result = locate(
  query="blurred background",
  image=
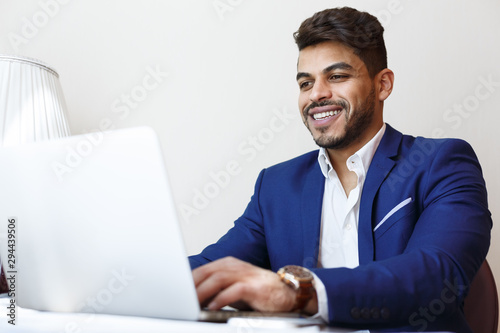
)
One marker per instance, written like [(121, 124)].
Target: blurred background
[(216, 80)]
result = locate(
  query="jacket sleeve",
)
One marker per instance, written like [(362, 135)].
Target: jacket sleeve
[(245, 240), (429, 280)]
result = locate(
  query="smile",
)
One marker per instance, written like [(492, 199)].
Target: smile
[(324, 115)]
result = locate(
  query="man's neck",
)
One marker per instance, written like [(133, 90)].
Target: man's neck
[(338, 159), (347, 178)]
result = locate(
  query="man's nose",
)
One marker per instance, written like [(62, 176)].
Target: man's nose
[(320, 91)]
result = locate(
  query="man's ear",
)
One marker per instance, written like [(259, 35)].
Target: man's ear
[(385, 79)]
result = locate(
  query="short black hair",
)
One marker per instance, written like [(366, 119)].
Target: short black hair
[(360, 31)]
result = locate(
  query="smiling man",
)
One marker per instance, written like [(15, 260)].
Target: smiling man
[(376, 229)]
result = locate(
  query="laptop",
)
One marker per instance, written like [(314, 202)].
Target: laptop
[(95, 228)]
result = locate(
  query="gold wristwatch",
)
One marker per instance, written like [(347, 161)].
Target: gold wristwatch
[(299, 279)]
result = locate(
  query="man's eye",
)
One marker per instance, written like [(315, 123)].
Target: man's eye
[(304, 84), (337, 77)]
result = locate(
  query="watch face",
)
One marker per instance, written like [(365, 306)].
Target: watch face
[(298, 272)]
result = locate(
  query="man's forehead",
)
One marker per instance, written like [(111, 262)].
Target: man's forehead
[(320, 56)]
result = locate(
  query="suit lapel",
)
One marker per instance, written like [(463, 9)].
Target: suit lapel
[(379, 168), (312, 202)]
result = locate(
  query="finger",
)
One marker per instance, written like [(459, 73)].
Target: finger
[(212, 285), (200, 274), (204, 272), (267, 293), (232, 294)]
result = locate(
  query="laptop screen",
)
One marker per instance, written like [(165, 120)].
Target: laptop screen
[(96, 226)]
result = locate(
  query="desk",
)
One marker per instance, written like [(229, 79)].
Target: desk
[(31, 321)]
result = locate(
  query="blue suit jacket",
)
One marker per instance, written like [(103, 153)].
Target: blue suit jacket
[(415, 268)]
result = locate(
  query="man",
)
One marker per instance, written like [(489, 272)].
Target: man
[(392, 227)]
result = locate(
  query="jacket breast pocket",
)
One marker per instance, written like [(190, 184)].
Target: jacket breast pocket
[(401, 217)]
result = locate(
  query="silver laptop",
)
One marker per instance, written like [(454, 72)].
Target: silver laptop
[(95, 227), (88, 224)]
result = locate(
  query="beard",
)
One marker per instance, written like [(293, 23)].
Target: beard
[(356, 122)]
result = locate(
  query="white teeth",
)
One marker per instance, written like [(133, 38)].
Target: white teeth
[(323, 115)]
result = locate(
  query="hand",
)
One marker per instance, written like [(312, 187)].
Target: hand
[(231, 281)]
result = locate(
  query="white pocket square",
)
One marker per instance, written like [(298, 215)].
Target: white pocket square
[(394, 210)]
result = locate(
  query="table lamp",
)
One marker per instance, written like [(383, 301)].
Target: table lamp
[(32, 107)]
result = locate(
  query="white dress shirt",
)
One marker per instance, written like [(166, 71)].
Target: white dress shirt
[(340, 214)]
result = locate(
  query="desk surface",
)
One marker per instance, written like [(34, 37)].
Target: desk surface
[(32, 321), (39, 321)]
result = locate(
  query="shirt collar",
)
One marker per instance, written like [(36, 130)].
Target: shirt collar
[(366, 153)]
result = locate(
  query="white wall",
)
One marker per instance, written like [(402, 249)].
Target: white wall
[(226, 69)]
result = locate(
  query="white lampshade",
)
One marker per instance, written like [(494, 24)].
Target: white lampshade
[(32, 106)]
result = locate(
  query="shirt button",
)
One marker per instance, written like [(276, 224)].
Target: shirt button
[(348, 227)]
